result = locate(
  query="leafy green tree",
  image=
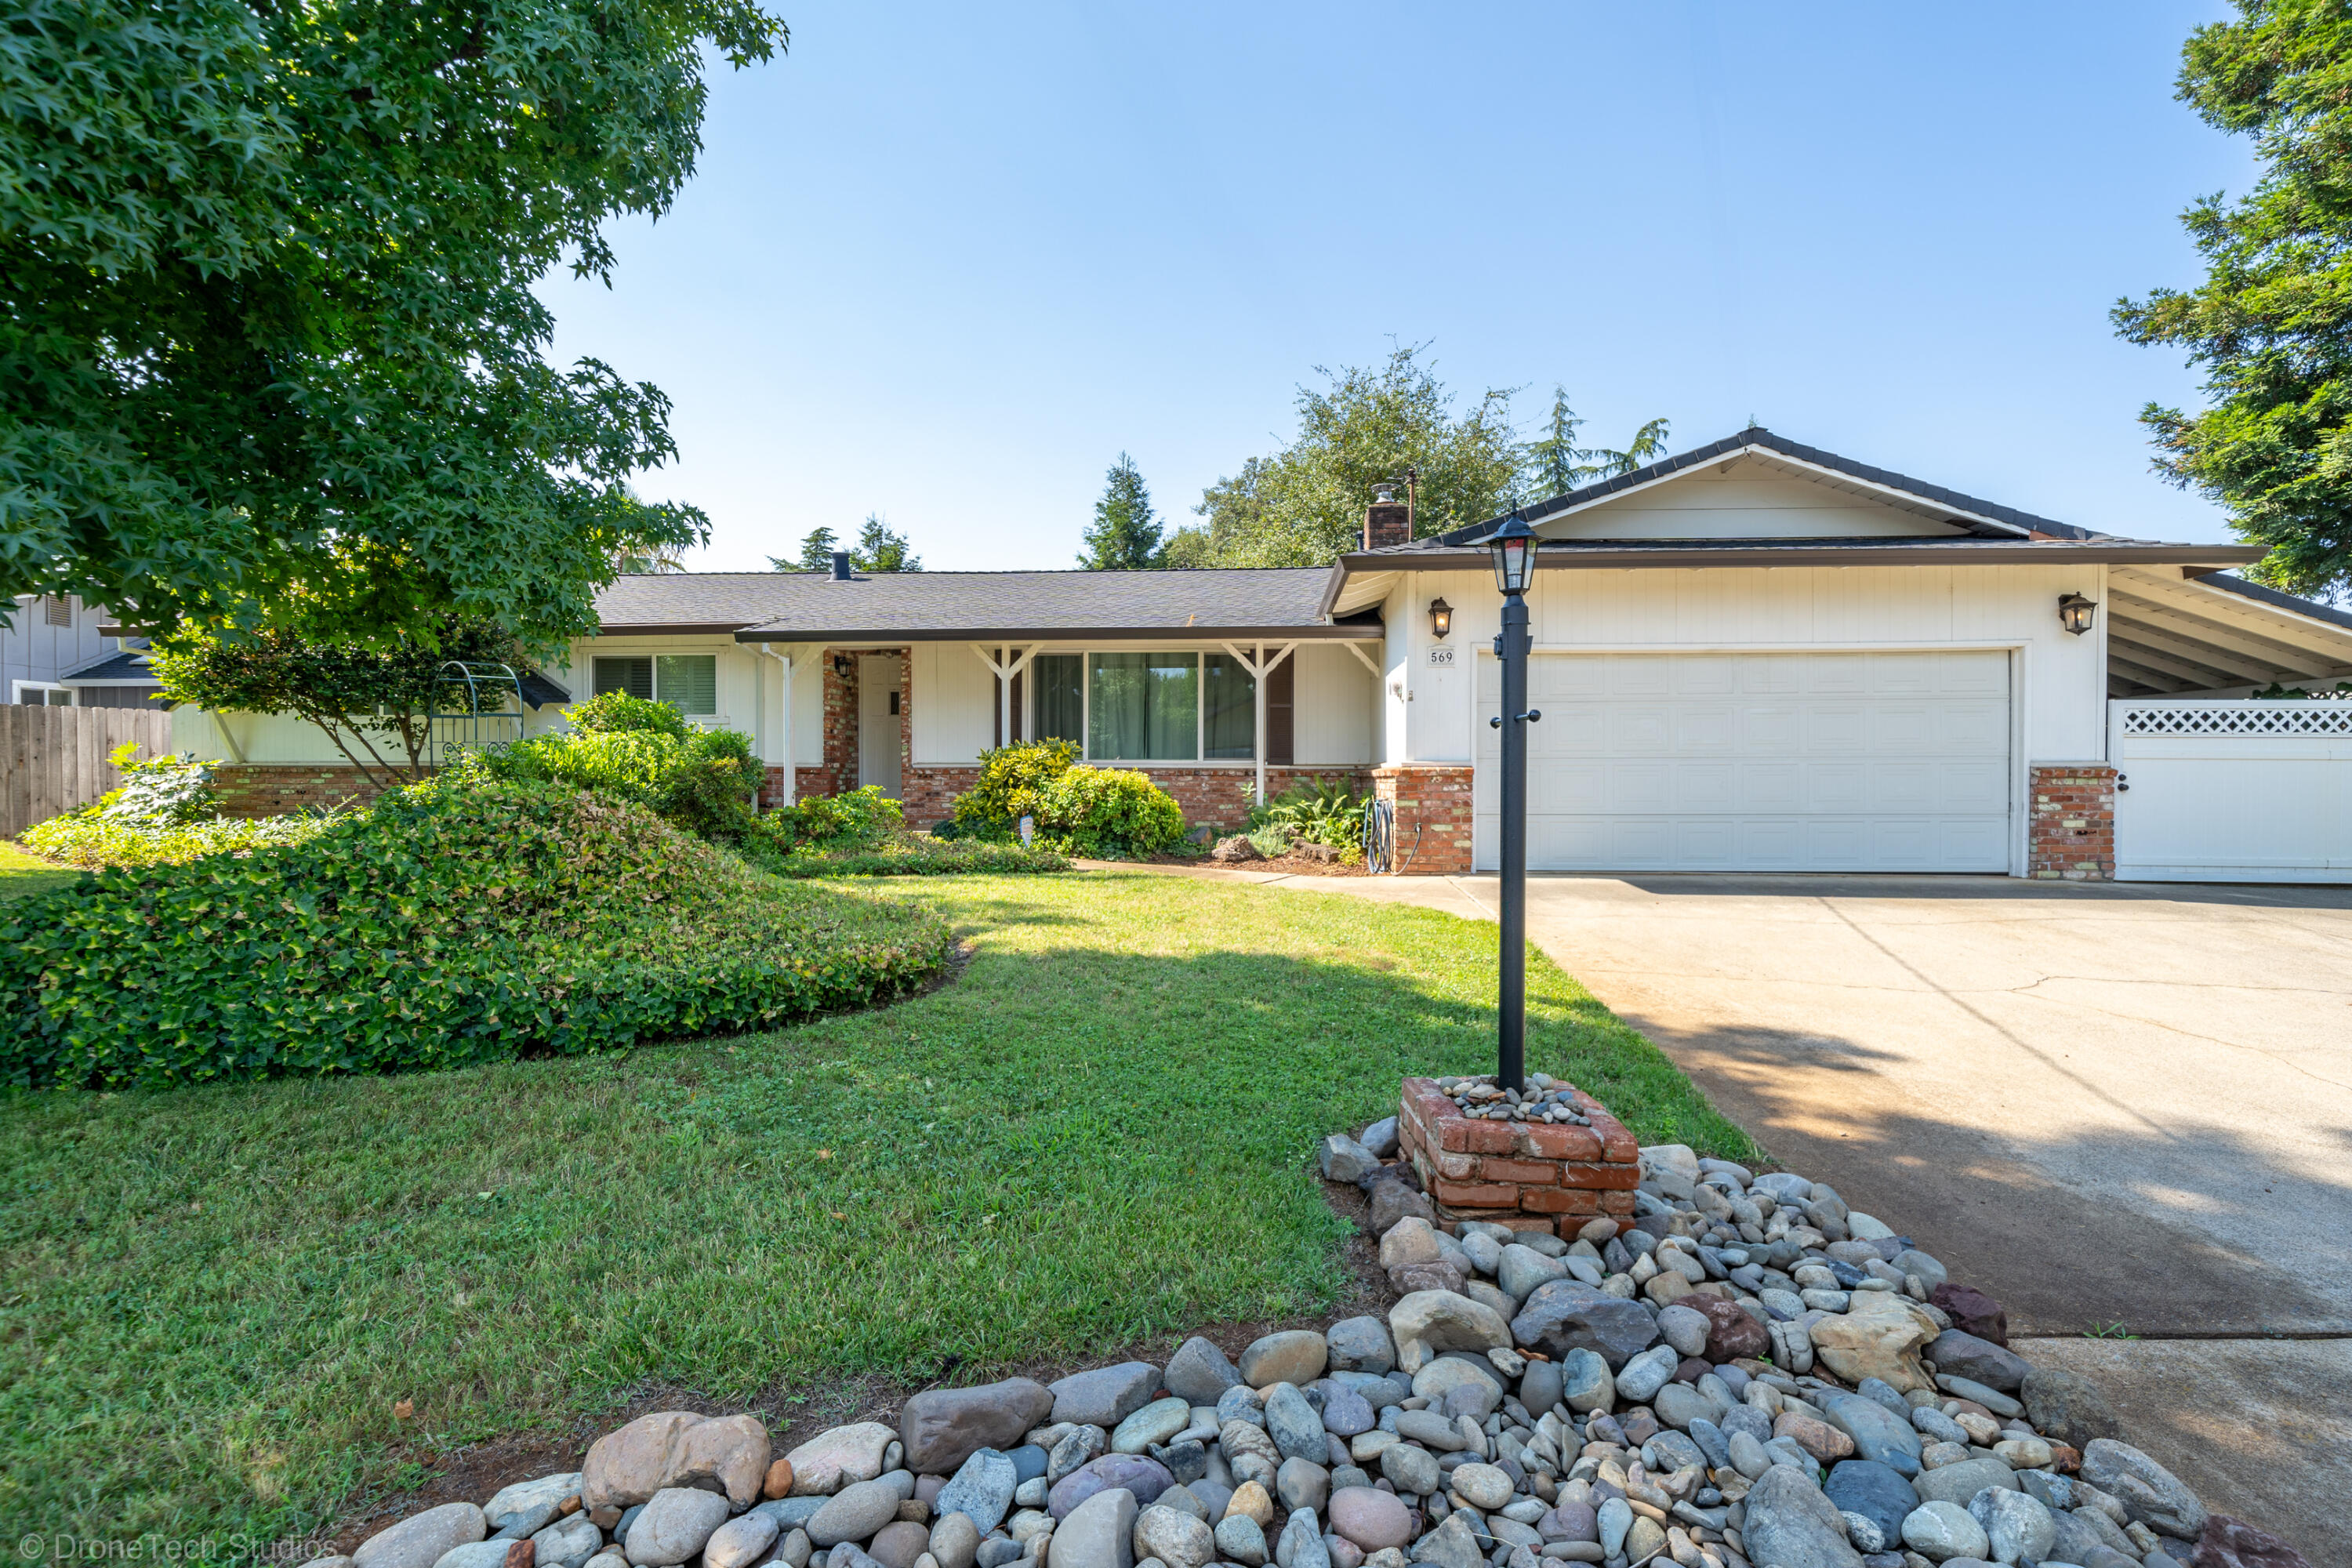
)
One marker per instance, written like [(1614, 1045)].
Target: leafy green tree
[(373, 701), (1304, 506), (880, 549), (1125, 534), (2272, 323), (816, 553), (266, 309)]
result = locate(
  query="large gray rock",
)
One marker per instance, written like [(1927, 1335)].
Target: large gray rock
[(1097, 1534), (1427, 1321), (1381, 1137), (1790, 1524), (738, 1543), (853, 1513), (1358, 1345), (2149, 1493), (676, 1523), (1448, 1373), (942, 1428), (1645, 1374), (1567, 1315), (1293, 1355), (1940, 1530), (1295, 1427), (1199, 1372), (1979, 1361), (1178, 1539), (1301, 1542), (1876, 1491), (1452, 1544), (836, 1457), (1586, 1384), (566, 1544), (2017, 1529), (2067, 1407), (981, 1489), (1153, 1424), (1410, 1469), (1141, 1478), (1392, 1202), (1877, 1432), (527, 1507), (421, 1540), (1342, 1159), (1107, 1395), (1956, 1483)]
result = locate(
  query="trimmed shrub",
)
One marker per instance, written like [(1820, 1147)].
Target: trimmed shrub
[(161, 815), (1011, 785), (464, 920), (704, 781), (832, 824), (1109, 813), (1079, 810), (914, 855)]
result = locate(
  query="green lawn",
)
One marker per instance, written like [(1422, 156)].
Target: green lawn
[(211, 1299), (21, 875)]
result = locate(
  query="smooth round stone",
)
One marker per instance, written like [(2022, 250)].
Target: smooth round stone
[(1155, 1423), (1361, 1345), (1372, 1519), (1240, 1539), (677, 1520), (1345, 1412), (1684, 1328), (1296, 1356), (1937, 1530), (1482, 1485), (954, 1542), (1874, 1490), (896, 1544), (1411, 1470), (1570, 1522), (1302, 1483)]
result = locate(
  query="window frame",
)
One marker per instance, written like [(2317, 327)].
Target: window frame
[(1199, 759), (16, 690), (653, 662)]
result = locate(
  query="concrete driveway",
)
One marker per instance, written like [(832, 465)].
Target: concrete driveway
[(2125, 1107)]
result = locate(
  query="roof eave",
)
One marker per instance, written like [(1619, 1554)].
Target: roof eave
[(1360, 632), (1554, 556)]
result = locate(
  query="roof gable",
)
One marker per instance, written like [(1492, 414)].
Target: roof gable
[(1753, 494)]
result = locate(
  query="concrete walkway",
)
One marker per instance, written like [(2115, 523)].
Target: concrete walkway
[(2122, 1107)]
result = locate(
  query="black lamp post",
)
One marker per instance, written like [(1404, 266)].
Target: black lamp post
[(1513, 546)]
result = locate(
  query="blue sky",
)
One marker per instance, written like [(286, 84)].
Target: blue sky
[(946, 262)]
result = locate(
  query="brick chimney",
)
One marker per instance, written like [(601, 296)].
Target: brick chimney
[(1387, 520)]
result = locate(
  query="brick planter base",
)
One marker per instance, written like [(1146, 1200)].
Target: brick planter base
[(1432, 807), (1526, 1174)]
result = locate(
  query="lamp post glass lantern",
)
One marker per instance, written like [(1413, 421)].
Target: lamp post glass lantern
[(1512, 548)]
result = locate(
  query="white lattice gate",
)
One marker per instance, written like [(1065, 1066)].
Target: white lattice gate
[(2233, 791)]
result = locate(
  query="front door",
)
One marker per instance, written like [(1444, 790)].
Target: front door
[(877, 722)]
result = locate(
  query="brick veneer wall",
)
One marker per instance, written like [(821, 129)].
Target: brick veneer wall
[(2070, 836), (838, 775), (273, 789), (1526, 1174), (927, 795), (1432, 807)]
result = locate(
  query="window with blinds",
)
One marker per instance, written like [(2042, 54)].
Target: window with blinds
[(687, 681)]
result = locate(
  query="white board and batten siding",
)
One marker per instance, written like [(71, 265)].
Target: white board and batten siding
[(2233, 791)]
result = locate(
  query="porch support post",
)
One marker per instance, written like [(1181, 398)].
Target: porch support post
[(1004, 667), (1258, 668)]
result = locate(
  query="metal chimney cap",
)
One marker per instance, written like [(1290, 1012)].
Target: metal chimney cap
[(840, 565)]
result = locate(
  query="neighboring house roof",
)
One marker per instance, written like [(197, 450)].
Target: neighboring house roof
[(127, 667), (978, 607), (1985, 532)]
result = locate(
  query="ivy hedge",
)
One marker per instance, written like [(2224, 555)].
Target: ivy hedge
[(461, 921)]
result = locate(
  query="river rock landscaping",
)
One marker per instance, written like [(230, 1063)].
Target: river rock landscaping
[(1743, 1372)]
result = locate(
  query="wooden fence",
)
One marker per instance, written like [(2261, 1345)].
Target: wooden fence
[(54, 759)]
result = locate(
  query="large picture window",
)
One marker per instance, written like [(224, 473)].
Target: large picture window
[(1144, 707), (1229, 709), (1061, 701), (687, 681)]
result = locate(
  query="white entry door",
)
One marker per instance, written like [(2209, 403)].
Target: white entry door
[(2233, 791), (1758, 762), (877, 722)]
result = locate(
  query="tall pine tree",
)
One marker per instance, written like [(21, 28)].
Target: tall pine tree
[(816, 553), (1125, 535), (2272, 323)]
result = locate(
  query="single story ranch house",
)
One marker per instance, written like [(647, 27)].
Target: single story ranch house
[(1752, 657)]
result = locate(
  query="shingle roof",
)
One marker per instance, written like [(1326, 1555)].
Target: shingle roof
[(809, 606), (126, 667)]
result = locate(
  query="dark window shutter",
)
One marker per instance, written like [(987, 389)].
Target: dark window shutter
[(1279, 684)]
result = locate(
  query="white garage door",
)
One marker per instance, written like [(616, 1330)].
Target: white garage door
[(1758, 761), (2233, 791)]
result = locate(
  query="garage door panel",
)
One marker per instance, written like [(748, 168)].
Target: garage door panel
[(1760, 762)]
